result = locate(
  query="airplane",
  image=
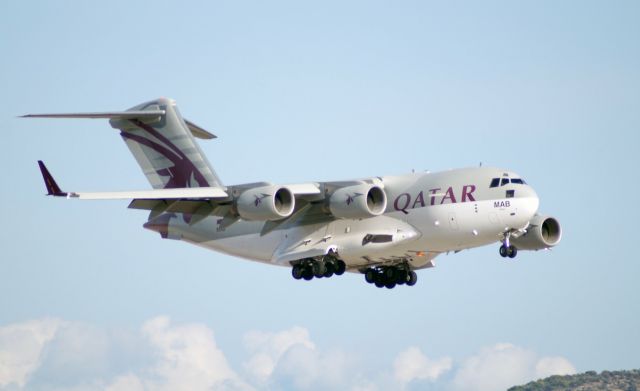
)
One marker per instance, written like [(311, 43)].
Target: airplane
[(384, 227)]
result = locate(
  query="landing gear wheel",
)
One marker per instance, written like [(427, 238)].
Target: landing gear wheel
[(296, 272), (389, 274), (307, 273), (390, 284), (370, 276), (401, 276), (412, 279), (319, 269), (512, 252), (329, 269), (379, 280), (504, 251), (341, 267)]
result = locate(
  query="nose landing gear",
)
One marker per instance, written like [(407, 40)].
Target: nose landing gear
[(507, 249)]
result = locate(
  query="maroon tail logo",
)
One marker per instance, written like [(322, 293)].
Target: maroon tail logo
[(183, 170)]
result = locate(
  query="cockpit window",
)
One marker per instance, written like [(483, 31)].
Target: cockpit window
[(495, 182)]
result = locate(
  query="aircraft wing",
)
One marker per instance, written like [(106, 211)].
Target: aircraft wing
[(155, 194), (187, 193)]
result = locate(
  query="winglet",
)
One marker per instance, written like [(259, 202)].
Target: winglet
[(52, 187)]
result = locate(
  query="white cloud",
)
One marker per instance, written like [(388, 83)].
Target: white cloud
[(411, 364), (548, 366), (53, 354), (188, 359), (21, 348), (505, 365), (289, 360), (57, 355), (304, 368), (267, 348), (128, 382)]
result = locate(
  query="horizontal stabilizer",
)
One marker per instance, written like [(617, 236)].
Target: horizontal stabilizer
[(140, 114), (143, 115)]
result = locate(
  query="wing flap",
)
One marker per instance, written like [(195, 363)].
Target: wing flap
[(303, 189)]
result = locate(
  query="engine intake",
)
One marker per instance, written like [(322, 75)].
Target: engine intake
[(358, 201), (543, 232), (266, 203)]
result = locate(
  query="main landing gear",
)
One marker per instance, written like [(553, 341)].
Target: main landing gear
[(390, 276), (326, 267), (507, 249)]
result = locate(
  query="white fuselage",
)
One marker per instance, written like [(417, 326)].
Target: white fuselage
[(426, 214)]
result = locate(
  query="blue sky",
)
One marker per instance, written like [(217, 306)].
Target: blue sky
[(300, 91)]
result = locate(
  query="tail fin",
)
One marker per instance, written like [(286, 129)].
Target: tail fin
[(52, 187), (165, 147)]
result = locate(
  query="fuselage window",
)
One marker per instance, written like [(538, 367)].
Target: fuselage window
[(495, 182), (517, 181), (510, 193), (504, 181)]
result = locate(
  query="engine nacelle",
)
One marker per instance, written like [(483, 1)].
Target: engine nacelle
[(543, 232), (265, 203), (358, 201)]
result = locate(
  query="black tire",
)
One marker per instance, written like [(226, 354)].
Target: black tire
[(370, 276), (341, 267), (318, 269), (413, 278), (390, 274), (379, 279), (328, 273), (296, 272), (512, 252), (307, 273), (504, 251), (401, 276), (331, 266), (390, 284)]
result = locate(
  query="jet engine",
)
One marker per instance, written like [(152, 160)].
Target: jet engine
[(358, 201), (265, 203), (543, 232)]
